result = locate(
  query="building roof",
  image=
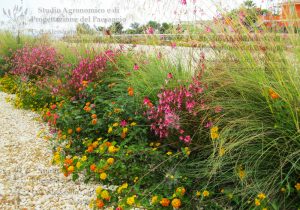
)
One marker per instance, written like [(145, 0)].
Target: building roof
[(290, 2)]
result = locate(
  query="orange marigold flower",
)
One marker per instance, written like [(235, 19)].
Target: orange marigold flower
[(181, 190), (176, 203), (93, 167), (99, 203), (68, 161), (165, 202), (123, 135), (273, 94), (130, 91), (108, 144), (78, 129), (94, 121), (90, 149), (94, 116), (70, 131), (70, 169)]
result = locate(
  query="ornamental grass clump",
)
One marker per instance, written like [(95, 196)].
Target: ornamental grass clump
[(34, 62)]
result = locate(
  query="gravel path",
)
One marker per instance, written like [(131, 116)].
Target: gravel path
[(27, 178)]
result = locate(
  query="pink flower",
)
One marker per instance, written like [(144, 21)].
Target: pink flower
[(136, 67), (218, 109), (170, 75), (208, 124), (123, 123), (207, 29), (146, 101), (187, 139), (183, 2), (150, 30), (173, 45)]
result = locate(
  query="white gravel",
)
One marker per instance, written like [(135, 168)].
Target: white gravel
[(27, 178)]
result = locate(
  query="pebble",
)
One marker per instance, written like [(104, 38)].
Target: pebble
[(27, 180)]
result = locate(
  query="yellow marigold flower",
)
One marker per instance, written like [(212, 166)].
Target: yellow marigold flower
[(154, 199), (297, 186), (110, 161), (117, 110), (158, 144), (214, 135), (105, 195), (68, 146), (99, 139), (151, 144), (125, 130), (169, 153), (241, 173), (125, 185), (99, 189), (198, 193), (205, 193), (131, 200), (70, 169), (103, 176), (214, 129), (116, 124), (261, 196), (95, 144), (222, 152), (112, 149), (133, 124), (257, 202), (165, 202), (109, 130), (176, 203), (187, 151), (136, 179), (78, 164)]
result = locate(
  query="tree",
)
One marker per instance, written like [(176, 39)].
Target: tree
[(165, 27), (153, 24), (84, 28), (136, 28), (116, 27), (249, 4)]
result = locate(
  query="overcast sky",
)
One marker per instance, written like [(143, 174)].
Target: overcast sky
[(129, 10)]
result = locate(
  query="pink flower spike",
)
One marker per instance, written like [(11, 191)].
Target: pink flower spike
[(209, 124), (150, 30), (136, 67), (173, 45), (183, 2), (123, 123), (218, 109), (170, 75), (146, 101), (207, 29), (187, 139)]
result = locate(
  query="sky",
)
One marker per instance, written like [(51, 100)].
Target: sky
[(128, 11)]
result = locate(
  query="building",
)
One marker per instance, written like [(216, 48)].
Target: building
[(286, 14)]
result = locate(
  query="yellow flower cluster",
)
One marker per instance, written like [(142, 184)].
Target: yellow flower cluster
[(214, 133), (122, 187)]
